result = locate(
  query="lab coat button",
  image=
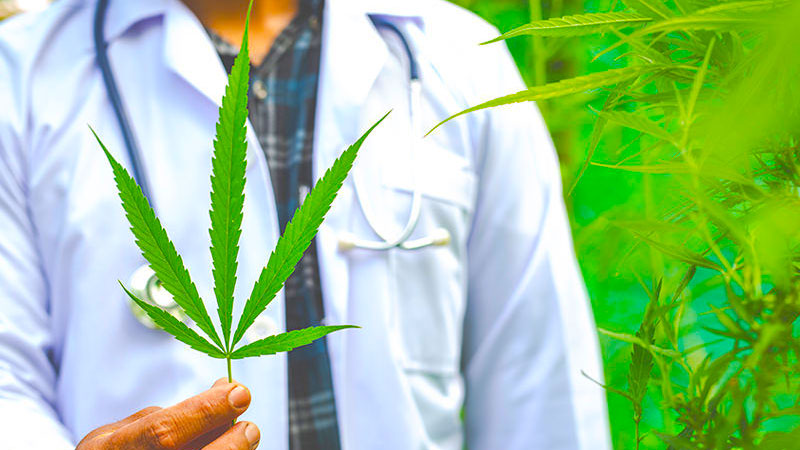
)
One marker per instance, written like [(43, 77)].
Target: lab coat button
[(259, 90)]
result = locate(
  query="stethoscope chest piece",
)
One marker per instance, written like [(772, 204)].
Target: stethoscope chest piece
[(146, 286)]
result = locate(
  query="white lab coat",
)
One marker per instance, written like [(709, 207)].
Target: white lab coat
[(497, 321)]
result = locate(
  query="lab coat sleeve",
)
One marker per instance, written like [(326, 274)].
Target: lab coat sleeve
[(529, 331), (28, 419)]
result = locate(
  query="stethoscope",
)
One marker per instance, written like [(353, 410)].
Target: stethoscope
[(440, 236), (143, 282)]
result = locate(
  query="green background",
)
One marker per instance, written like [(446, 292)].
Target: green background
[(611, 265)]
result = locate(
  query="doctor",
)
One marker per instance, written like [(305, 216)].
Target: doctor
[(489, 315)]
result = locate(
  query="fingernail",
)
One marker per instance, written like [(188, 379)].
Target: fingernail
[(239, 397), (252, 435)]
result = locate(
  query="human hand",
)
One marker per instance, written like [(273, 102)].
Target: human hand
[(200, 422)]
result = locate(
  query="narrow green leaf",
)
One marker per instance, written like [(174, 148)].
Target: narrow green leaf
[(157, 249), (746, 7), (731, 325), (297, 236), (227, 185), (611, 389), (562, 88), (713, 22), (285, 342), (652, 8), (639, 48), (176, 328), (577, 25), (674, 168), (687, 277), (680, 253), (631, 339), (638, 122), (697, 84), (597, 131), (730, 334)]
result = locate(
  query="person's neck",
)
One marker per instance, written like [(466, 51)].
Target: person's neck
[(226, 18)]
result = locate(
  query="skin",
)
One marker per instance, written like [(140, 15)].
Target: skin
[(204, 421), (226, 18), (200, 422)]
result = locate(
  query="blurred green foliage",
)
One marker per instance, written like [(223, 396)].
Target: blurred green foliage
[(682, 183)]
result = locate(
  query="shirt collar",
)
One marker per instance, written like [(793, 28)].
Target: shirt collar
[(124, 14)]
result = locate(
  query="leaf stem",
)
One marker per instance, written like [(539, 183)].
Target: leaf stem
[(230, 378)]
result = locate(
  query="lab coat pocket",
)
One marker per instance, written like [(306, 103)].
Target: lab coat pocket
[(429, 284)]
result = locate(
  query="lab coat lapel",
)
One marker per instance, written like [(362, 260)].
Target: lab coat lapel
[(123, 14), (187, 51), (353, 55), (199, 65)]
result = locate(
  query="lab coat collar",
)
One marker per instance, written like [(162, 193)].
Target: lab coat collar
[(354, 52), (187, 51), (357, 51), (124, 14)]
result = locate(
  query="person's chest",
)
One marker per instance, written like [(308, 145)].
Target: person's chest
[(410, 304)]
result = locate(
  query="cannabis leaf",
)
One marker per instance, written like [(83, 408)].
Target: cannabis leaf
[(227, 185), (713, 22), (285, 341), (227, 200), (577, 25), (564, 87)]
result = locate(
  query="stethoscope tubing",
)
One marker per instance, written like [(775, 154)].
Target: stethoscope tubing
[(441, 236), (101, 52)]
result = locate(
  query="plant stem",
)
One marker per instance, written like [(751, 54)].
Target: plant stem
[(230, 379)]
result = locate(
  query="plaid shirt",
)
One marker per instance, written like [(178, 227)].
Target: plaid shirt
[(283, 95)]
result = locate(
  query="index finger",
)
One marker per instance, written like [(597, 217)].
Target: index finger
[(174, 427)]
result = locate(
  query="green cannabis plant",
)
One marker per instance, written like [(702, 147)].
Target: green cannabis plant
[(227, 200), (699, 114)]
